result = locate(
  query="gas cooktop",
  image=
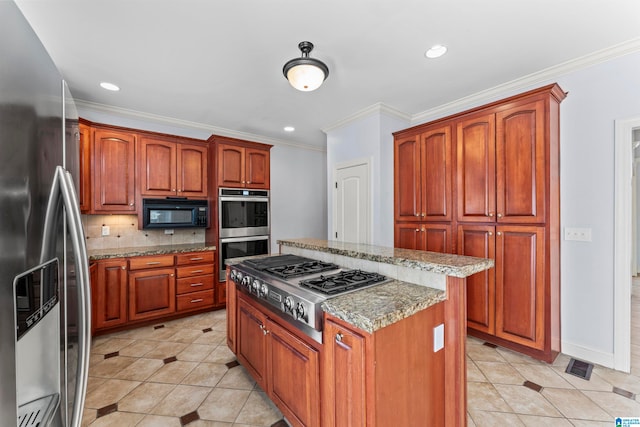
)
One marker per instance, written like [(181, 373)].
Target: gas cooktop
[(297, 286)]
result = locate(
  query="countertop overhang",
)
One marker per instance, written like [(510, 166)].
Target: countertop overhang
[(98, 254)]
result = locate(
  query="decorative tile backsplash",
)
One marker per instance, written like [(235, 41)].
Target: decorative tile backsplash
[(124, 233)]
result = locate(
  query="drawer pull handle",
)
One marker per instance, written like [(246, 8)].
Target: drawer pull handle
[(196, 271), (199, 258), (153, 262), (193, 301), (339, 337), (193, 285)]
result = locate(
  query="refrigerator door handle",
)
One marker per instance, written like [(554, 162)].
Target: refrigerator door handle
[(72, 208)]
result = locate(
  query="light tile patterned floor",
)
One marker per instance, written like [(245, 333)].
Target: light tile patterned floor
[(176, 375)]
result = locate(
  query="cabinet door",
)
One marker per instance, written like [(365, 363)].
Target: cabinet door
[(409, 236), (294, 378), (231, 166), (435, 164), (437, 237), (109, 294), (192, 170), (521, 163), (476, 169), (157, 167), (479, 241), (252, 342), (113, 172), (520, 296), (344, 376), (257, 166), (152, 293), (84, 192), (408, 186)]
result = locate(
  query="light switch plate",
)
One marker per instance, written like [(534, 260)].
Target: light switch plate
[(578, 234), (168, 231), (438, 338), (106, 230)]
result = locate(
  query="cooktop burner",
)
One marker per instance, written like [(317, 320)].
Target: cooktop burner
[(288, 266), (343, 281)]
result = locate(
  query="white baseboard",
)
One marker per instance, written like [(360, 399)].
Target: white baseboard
[(588, 355)]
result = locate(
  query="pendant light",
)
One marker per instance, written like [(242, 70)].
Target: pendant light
[(304, 73)]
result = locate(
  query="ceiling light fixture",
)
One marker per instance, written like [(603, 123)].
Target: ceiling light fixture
[(109, 86), (304, 73), (436, 51), (289, 128)]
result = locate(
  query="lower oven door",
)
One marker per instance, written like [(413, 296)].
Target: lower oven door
[(235, 247)]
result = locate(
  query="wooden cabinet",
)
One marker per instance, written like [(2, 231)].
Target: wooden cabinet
[(423, 175), (232, 313), (195, 280), (109, 293), (243, 164), (152, 293), (362, 383), (170, 168), (283, 364), (113, 171), (423, 236), (507, 207), (84, 192)]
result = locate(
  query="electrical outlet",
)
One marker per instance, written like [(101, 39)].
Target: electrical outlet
[(578, 234), (106, 230), (168, 231)]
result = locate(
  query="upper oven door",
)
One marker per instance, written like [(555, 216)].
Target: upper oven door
[(243, 216)]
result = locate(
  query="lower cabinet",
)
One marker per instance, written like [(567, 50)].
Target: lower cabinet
[(109, 294), (393, 377), (152, 293), (284, 365)]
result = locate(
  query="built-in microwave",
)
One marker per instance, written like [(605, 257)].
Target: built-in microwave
[(174, 212), (243, 212)]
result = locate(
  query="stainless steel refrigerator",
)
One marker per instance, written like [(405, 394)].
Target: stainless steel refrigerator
[(44, 277)]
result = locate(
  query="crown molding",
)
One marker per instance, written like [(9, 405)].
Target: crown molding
[(156, 118), (378, 108), (545, 75)]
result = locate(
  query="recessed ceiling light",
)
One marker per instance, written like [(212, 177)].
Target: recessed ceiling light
[(436, 51), (109, 86), (289, 128)]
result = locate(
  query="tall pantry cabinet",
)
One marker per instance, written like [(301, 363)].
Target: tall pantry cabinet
[(506, 206)]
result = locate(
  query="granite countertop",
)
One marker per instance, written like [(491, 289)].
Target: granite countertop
[(95, 255), (448, 264), (378, 306)]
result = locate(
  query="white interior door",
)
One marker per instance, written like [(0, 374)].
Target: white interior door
[(352, 204)]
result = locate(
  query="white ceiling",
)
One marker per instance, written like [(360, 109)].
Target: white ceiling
[(219, 63)]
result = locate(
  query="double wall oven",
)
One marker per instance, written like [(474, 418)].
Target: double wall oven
[(244, 224)]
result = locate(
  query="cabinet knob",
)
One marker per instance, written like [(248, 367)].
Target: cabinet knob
[(339, 337), (173, 189), (499, 215), (264, 330), (499, 233), (123, 267), (422, 214), (491, 233), (417, 229), (131, 204), (491, 214)]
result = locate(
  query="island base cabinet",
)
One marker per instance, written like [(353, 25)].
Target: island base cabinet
[(392, 377), (252, 341)]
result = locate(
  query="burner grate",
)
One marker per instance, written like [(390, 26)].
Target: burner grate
[(301, 269), (342, 282)]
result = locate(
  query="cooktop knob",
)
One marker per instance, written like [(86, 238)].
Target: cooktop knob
[(246, 282), (238, 276), (300, 311), (264, 290), (288, 304), (256, 286)]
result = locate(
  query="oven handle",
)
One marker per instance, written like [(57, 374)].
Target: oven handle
[(243, 199), (243, 239)]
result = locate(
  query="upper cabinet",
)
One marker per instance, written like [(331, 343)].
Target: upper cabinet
[(243, 164), (113, 171), (84, 192), (170, 168)]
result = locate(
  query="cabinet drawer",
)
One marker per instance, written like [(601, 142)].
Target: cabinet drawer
[(194, 284), (195, 300), (195, 258), (195, 270), (152, 261)]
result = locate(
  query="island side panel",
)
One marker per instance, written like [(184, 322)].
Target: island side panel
[(455, 318)]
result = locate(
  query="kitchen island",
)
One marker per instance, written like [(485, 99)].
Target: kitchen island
[(389, 354)]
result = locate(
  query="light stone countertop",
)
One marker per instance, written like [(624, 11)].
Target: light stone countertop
[(98, 254), (441, 263)]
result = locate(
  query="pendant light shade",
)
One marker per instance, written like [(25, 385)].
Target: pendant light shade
[(304, 73)]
